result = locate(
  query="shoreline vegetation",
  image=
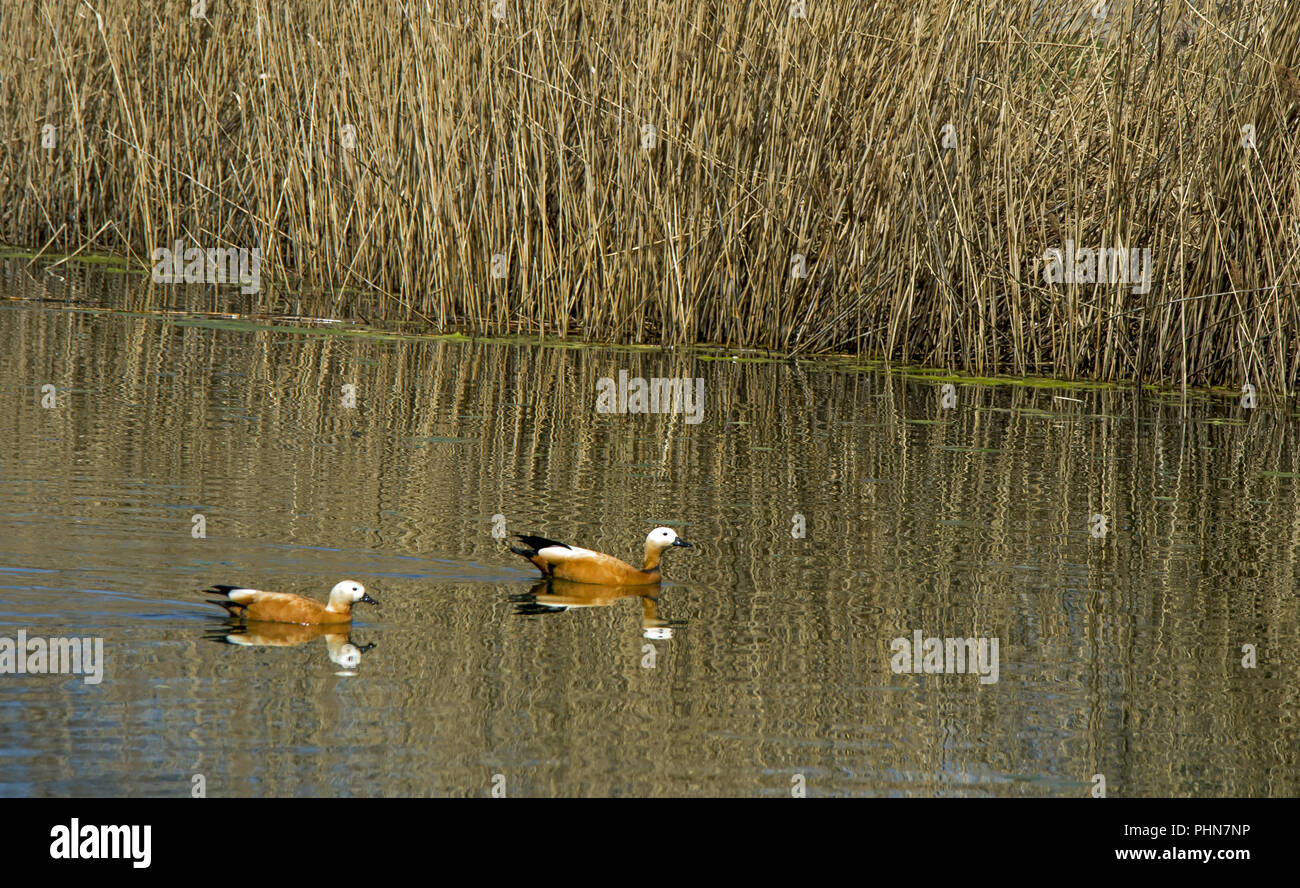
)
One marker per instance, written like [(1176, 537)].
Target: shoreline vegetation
[(312, 314), (894, 181)]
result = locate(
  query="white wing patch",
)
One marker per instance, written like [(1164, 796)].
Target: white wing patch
[(559, 554)]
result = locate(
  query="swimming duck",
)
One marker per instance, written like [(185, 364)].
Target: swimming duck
[(285, 607), (565, 562)]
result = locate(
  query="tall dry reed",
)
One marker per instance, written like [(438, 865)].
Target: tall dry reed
[(881, 178)]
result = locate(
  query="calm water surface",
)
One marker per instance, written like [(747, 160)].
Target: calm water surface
[(765, 655)]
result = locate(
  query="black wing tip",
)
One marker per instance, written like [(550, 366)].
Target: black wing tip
[(537, 543), (220, 589)]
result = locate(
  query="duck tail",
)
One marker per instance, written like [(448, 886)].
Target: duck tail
[(532, 545), (233, 608)]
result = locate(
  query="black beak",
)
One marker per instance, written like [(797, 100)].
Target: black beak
[(682, 543), (365, 596)]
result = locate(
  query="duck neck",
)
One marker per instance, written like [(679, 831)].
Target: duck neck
[(652, 556), (339, 606)]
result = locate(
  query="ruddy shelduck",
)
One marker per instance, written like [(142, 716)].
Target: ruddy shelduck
[(285, 607), (565, 562)]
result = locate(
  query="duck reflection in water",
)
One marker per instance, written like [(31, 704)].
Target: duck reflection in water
[(556, 596), (338, 644)]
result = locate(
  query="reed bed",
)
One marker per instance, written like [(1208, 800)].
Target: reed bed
[(877, 178)]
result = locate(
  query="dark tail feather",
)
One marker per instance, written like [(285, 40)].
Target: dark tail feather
[(534, 543), (233, 608)]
